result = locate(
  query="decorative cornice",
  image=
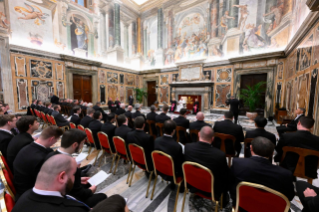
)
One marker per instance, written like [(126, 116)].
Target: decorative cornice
[(279, 54), (35, 52), (68, 58), (313, 5)]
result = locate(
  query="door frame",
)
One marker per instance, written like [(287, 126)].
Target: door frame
[(147, 92), (150, 79)]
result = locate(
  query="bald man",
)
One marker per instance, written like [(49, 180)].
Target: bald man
[(198, 124), (120, 110), (205, 154), (54, 181), (128, 114)]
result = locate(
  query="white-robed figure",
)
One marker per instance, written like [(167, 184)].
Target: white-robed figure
[(180, 105)]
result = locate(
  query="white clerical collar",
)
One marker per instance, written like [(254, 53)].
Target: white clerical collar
[(47, 193), (8, 131), (39, 144), (64, 153), (298, 116), (168, 135), (76, 114)]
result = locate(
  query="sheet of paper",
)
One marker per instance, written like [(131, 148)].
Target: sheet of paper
[(98, 178), (81, 157), (183, 147)]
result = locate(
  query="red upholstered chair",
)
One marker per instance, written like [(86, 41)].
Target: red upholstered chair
[(4, 165), (7, 182), (139, 159), (48, 118), (72, 125), (223, 138), (80, 127), (91, 141), (46, 122), (159, 127), (32, 112), (54, 123), (9, 202), (258, 198), (202, 178), (121, 152), (164, 164), (106, 147)]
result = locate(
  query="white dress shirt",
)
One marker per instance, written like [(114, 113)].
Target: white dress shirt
[(47, 193), (5, 130)]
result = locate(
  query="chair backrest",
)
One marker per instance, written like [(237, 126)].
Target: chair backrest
[(150, 124), (303, 153), (120, 147), (44, 117), (247, 141), (9, 201), (31, 110), (72, 125), (104, 141), (194, 135), (138, 156), (223, 137), (258, 198), (7, 182), (89, 135), (160, 128), (80, 127), (4, 165), (179, 130), (163, 163), (199, 177), (53, 121), (48, 118)]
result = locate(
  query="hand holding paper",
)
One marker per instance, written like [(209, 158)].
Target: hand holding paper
[(98, 178)]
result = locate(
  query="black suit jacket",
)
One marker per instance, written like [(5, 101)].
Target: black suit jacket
[(234, 105), (259, 170), (97, 108), (86, 121), (31, 201), (128, 114), (228, 127), (161, 118), (293, 124), (16, 144), (55, 99), (59, 119), (29, 113), (75, 119), (120, 111), (109, 129), (27, 165), (182, 122), (213, 159), (47, 111), (138, 113), (152, 116), (256, 133), (5, 138), (144, 140), (122, 132), (169, 146), (95, 127), (302, 139), (197, 125)]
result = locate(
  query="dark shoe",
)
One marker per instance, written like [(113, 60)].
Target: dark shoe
[(85, 170), (172, 186)]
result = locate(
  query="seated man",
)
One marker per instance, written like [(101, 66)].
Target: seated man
[(48, 108), (182, 122), (86, 120), (109, 129), (260, 123), (152, 116), (75, 119), (139, 137), (128, 114), (72, 142), (303, 139), (292, 126), (59, 119), (30, 158), (138, 112), (199, 123), (308, 195), (123, 130), (27, 125), (204, 153), (161, 118), (95, 127), (39, 106), (97, 107), (228, 127), (7, 122), (48, 193), (121, 109), (258, 169)]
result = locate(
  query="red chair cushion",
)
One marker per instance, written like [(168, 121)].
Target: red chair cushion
[(9, 181), (120, 147), (198, 178), (104, 141), (7, 167), (72, 125), (90, 136), (9, 202), (163, 164), (138, 156)]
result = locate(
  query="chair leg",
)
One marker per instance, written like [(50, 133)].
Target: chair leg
[(132, 176), (97, 156), (114, 156), (117, 163), (221, 201), (102, 156), (129, 173), (149, 183), (216, 207), (89, 152), (176, 199), (185, 192), (154, 187)]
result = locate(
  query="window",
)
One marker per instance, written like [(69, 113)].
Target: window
[(81, 2)]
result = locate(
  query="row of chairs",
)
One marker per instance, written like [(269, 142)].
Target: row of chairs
[(9, 192), (46, 119)]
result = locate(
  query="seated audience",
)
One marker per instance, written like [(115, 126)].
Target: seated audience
[(97, 107), (292, 126), (72, 142), (15, 130), (258, 169), (30, 158), (90, 105), (228, 127), (75, 119), (95, 127), (54, 99), (112, 107), (39, 106), (115, 203), (31, 107), (152, 116), (109, 129), (308, 195), (59, 119), (48, 108), (139, 137), (7, 108), (260, 123), (182, 121), (86, 120), (7, 122), (199, 123), (128, 114), (123, 130), (302, 139), (48, 192), (138, 112), (204, 153), (120, 110), (161, 118), (27, 125)]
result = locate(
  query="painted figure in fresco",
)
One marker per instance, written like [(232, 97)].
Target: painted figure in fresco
[(4, 23), (224, 21), (31, 13), (252, 37), (276, 12), (243, 15), (81, 32)]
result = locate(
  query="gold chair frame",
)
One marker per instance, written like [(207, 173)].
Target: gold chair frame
[(112, 153), (73, 124), (150, 122), (179, 128), (45, 121), (5, 183), (62, 127), (3, 203), (193, 131), (98, 151)]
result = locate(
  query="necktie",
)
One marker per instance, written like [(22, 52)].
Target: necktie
[(72, 198)]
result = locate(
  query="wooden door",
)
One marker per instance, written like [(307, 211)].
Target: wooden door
[(82, 87), (251, 80), (151, 92)]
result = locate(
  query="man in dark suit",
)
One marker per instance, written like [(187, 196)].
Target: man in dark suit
[(302, 139), (30, 158), (258, 169), (130, 100), (7, 122), (308, 195), (88, 118), (121, 109), (139, 137), (138, 112), (48, 108), (48, 192), (39, 106), (59, 119), (33, 105), (152, 116), (97, 107), (260, 123), (109, 129), (75, 119), (182, 122), (292, 126), (161, 118), (129, 114), (95, 127), (199, 123), (234, 107), (72, 142), (204, 153), (26, 125), (228, 127), (54, 99), (123, 130)]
